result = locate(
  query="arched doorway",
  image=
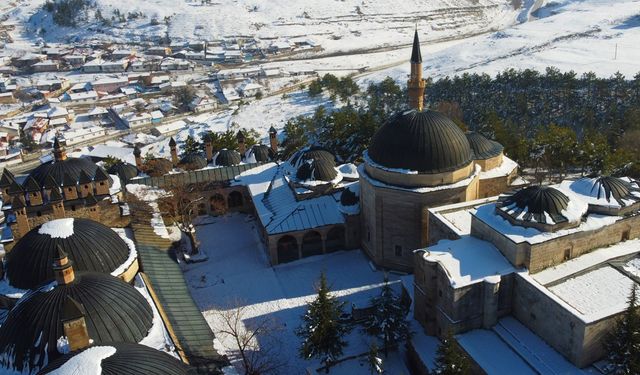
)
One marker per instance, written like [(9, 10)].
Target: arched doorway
[(335, 239), (235, 199), (287, 249), (217, 204), (202, 209), (311, 244)]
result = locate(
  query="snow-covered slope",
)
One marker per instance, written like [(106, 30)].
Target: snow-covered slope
[(337, 24), (581, 35)]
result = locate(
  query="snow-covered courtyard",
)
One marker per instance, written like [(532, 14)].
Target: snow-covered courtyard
[(237, 271)]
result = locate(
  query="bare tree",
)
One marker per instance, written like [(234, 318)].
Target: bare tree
[(256, 339)]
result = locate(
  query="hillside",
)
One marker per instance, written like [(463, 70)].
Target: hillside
[(336, 25)]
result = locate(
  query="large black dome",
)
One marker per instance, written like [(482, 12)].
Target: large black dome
[(193, 162), (424, 141), (482, 147), (71, 167), (262, 153), (127, 359), (535, 204), (318, 170), (114, 312), (312, 153), (124, 170), (91, 246), (227, 158)]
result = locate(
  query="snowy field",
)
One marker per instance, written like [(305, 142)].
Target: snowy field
[(237, 270), (337, 25)]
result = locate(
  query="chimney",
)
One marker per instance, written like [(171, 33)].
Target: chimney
[(416, 84), (273, 139), (174, 151), (74, 324), (62, 267), (57, 203), (59, 153), (241, 146), (208, 147), (138, 155), (22, 221)]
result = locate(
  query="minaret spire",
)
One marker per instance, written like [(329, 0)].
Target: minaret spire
[(59, 153), (416, 83)]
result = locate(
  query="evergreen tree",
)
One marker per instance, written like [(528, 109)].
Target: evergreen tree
[(450, 360), (322, 332), (191, 146), (110, 161), (624, 341), (388, 321), (374, 360)]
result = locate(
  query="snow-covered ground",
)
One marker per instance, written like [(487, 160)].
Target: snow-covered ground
[(238, 271)]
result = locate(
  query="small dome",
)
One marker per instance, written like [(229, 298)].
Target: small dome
[(312, 153), (318, 170), (114, 311), (424, 141), (262, 153), (72, 168), (607, 188), (348, 198), (539, 204), (124, 170), (482, 147), (119, 359), (91, 246), (193, 161), (227, 158)]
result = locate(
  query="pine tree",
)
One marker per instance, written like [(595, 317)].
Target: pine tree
[(388, 321), (374, 360), (450, 360), (624, 341), (191, 146), (322, 332)]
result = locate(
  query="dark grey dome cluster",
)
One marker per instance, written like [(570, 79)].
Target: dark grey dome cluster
[(227, 158), (424, 141), (608, 188), (67, 172), (312, 153), (127, 359), (193, 161), (124, 170), (317, 169), (92, 246), (114, 312), (262, 153), (535, 204), (483, 148)]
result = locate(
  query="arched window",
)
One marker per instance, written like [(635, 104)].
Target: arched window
[(235, 199), (335, 239), (311, 244), (217, 204), (287, 249)]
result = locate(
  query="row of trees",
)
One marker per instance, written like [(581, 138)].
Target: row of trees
[(550, 121)]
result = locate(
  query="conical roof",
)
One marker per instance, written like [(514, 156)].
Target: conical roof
[(416, 56), (539, 204)]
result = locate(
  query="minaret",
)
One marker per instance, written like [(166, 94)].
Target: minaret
[(208, 147), (273, 139), (241, 146), (173, 146), (62, 267), (59, 153), (416, 84), (74, 324), (137, 153)]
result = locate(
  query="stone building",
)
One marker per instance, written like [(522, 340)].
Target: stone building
[(559, 259), (420, 159), (63, 187)]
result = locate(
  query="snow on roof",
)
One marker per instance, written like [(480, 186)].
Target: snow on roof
[(88, 361), (60, 228), (158, 338), (593, 192), (586, 261), (492, 354), (276, 204), (133, 253), (504, 169), (82, 95), (468, 260), (176, 125), (596, 294), (349, 170), (97, 111), (520, 234)]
